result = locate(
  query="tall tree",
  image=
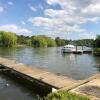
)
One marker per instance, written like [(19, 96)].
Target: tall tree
[(60, 42), (39, 42), (42, 41), (8, 39), (97, 41)]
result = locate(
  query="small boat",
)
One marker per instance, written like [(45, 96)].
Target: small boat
[(68, 49)]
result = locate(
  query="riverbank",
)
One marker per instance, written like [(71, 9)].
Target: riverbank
[(96, 52)]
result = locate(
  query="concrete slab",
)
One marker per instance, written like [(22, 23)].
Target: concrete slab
[(91, 89)]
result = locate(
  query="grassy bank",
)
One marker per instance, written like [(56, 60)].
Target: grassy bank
[(64, 95), (96, 51)]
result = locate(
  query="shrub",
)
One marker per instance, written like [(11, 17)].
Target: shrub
[(64, 95), (96, 51)]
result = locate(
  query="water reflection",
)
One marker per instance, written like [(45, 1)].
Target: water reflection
[(70, 56), (6, 52), (97, 63)]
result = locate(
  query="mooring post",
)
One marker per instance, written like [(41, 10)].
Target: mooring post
[(0, 65), (82, 47), (76, 47)]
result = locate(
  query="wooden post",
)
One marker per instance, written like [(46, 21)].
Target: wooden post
[(82, 47), (76, 47)]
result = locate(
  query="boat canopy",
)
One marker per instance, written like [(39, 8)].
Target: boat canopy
[(69, 46)]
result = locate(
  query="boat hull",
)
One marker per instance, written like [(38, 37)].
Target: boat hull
[(67, 50)]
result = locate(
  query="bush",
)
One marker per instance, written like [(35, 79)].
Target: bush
[(64, 95), (96, 51)]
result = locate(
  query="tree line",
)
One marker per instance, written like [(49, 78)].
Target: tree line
[(84, 42), (9, 39)]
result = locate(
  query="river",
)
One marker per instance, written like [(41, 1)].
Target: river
[(72, 65)]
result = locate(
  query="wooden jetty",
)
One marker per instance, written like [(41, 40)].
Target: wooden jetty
[(80, 52), (55, 81), (83, 52), (87, 51), (42, 76)]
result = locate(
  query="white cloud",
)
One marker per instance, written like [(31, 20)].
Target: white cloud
[(1, 9), (55, 25), (93, 10), (10, 3), (70, 18), (32, 8), (14, 28), (55, 1), (40, 21), (54, 13)]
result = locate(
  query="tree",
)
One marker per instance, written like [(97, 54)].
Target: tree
[(39, 42), (84, 42), (22, 39), (97, 41), (29, 42), (51, 42), (8, 39), (60, 42), (42, 41), (1, 37)]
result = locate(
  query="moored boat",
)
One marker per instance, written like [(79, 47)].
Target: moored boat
[(68, 49)]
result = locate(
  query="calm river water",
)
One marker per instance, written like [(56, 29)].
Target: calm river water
[(75, 66)]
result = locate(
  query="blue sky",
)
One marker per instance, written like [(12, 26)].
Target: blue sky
[(69, 19)]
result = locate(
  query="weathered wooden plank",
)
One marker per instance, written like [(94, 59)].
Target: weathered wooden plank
[(44, 76)]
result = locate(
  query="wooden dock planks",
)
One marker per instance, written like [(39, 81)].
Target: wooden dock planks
[(54, 80), (60, 82)]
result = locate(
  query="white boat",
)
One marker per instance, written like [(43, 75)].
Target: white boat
[(68, 48)]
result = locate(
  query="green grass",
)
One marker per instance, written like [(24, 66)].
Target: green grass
[(63, 95)]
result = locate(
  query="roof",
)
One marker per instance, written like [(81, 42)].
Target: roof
[(71, 46)]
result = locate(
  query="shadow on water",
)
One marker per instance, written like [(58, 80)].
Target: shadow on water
[(97, 63), (7, 52), (12, 90), (15, 85), (29, 83)]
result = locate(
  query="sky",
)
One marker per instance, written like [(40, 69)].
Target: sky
[(68, 19)]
